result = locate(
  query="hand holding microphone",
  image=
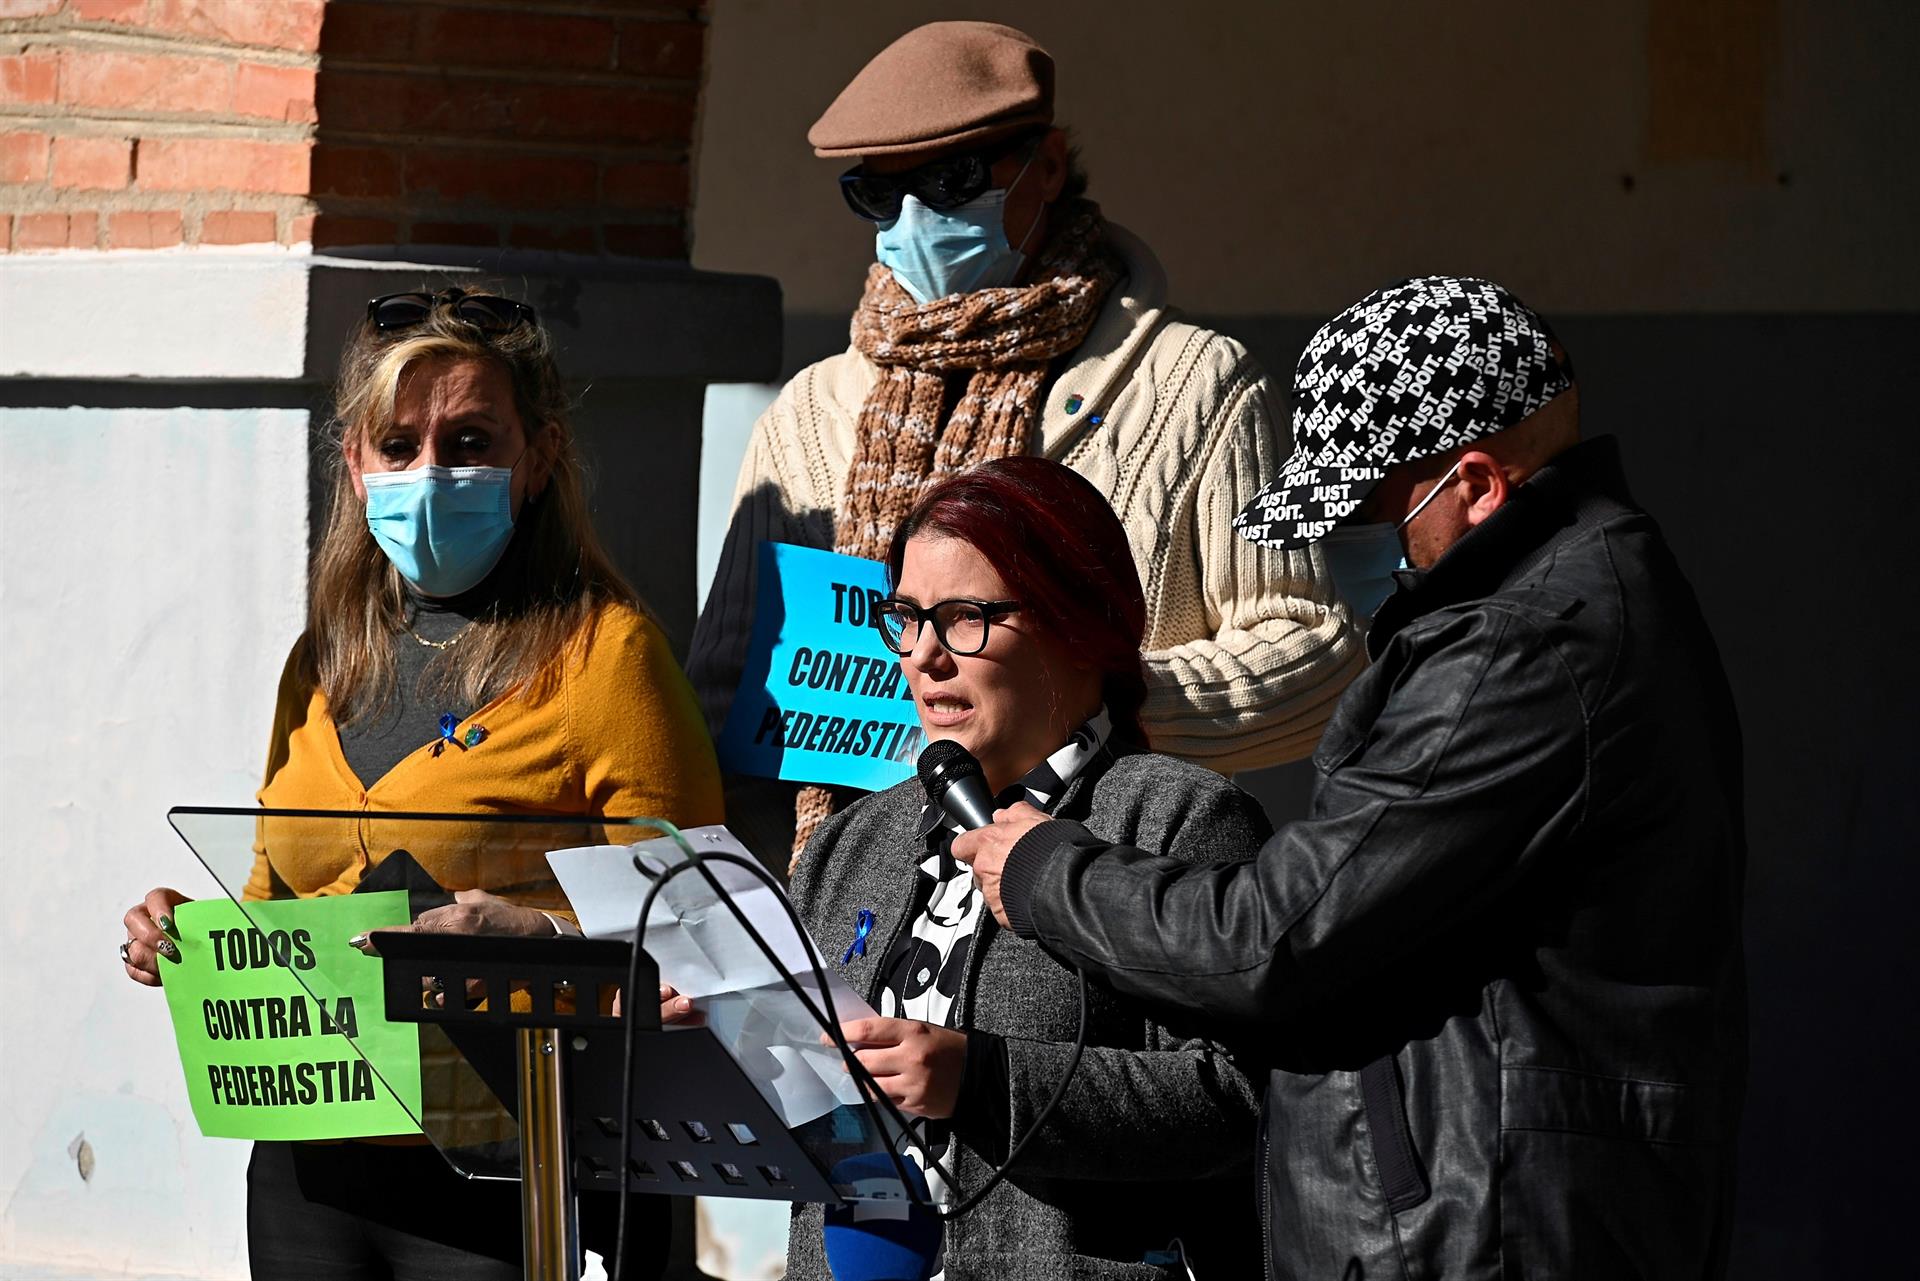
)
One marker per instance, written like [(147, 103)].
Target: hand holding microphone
[(954, 782), (985, 850)]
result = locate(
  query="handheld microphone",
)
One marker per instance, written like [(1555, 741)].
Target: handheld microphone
[(895, 1239), (954, 782)]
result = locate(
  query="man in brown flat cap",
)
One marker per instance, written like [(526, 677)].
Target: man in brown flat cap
[(1004, 315)]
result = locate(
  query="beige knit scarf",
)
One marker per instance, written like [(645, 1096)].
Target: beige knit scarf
[(906, 441)]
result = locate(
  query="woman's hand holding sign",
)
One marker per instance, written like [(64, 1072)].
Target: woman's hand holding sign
[(149, 922)]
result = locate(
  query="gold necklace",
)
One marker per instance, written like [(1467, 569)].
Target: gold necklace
[(448, 643)]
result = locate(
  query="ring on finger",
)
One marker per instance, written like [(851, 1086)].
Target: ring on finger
[(125, 949)]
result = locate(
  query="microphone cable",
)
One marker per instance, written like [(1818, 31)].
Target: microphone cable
[(873, 1098)]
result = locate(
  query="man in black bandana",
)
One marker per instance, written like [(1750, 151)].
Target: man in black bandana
[(1496, 973)]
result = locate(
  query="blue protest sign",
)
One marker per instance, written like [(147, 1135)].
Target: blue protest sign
[(821, 699)]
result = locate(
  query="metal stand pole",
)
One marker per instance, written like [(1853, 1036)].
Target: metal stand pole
[(550, 1227)]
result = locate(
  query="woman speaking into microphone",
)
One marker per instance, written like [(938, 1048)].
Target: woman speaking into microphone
[(1017, 614)]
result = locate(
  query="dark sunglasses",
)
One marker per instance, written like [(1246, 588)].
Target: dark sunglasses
[(488, 313), (961, 624), (941, 184)]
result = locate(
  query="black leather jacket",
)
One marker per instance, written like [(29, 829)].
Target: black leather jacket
[(1495, 975)]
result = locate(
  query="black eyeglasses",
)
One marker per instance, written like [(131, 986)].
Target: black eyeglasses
[(488, 313), (960, 624), (941, 184)]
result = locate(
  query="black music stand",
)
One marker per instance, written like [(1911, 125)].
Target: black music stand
[(553, 1054)]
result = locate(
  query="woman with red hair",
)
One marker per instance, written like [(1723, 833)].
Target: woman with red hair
[(1017, 614)]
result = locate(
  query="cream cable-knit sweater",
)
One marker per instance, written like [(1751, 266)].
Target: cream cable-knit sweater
[(1246, 651)]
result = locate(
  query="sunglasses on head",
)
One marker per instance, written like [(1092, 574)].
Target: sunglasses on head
[(488, 313), (943, 184)]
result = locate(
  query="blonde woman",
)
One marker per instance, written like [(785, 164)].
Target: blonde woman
[(459, 577)]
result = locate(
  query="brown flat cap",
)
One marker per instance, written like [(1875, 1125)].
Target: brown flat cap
[(944, 83)]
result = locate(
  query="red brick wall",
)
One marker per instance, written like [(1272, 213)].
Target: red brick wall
[(553, 124)]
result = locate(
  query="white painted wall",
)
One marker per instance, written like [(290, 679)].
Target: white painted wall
[(737, 1240), (141, 314), (152, 578), (726, 423)]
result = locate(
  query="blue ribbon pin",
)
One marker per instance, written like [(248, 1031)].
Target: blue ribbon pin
[(862, 927), (448, 724)]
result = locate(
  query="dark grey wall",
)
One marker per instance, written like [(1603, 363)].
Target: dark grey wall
[(1778, 453)]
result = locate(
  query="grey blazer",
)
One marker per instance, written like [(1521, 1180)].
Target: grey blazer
[(1154, 1138)]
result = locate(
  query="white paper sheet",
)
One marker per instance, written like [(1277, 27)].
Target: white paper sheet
[(703, 952)]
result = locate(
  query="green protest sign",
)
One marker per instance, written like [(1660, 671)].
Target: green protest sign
[(263, 1009)]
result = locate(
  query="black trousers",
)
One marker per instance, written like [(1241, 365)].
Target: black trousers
[(368, 1212)]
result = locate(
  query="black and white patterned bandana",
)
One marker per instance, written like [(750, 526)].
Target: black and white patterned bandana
[(1409, 371)]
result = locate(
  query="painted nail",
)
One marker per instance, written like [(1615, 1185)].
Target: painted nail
[(358, 943), (166, 948), (165, 922)]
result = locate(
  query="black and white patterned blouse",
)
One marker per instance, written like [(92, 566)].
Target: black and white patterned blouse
[(923, 974)]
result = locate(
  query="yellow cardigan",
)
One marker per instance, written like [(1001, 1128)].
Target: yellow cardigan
[(620, 736)]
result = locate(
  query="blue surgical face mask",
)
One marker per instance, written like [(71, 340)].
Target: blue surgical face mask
[(1361, 558), (934, 253), (444, 528)]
